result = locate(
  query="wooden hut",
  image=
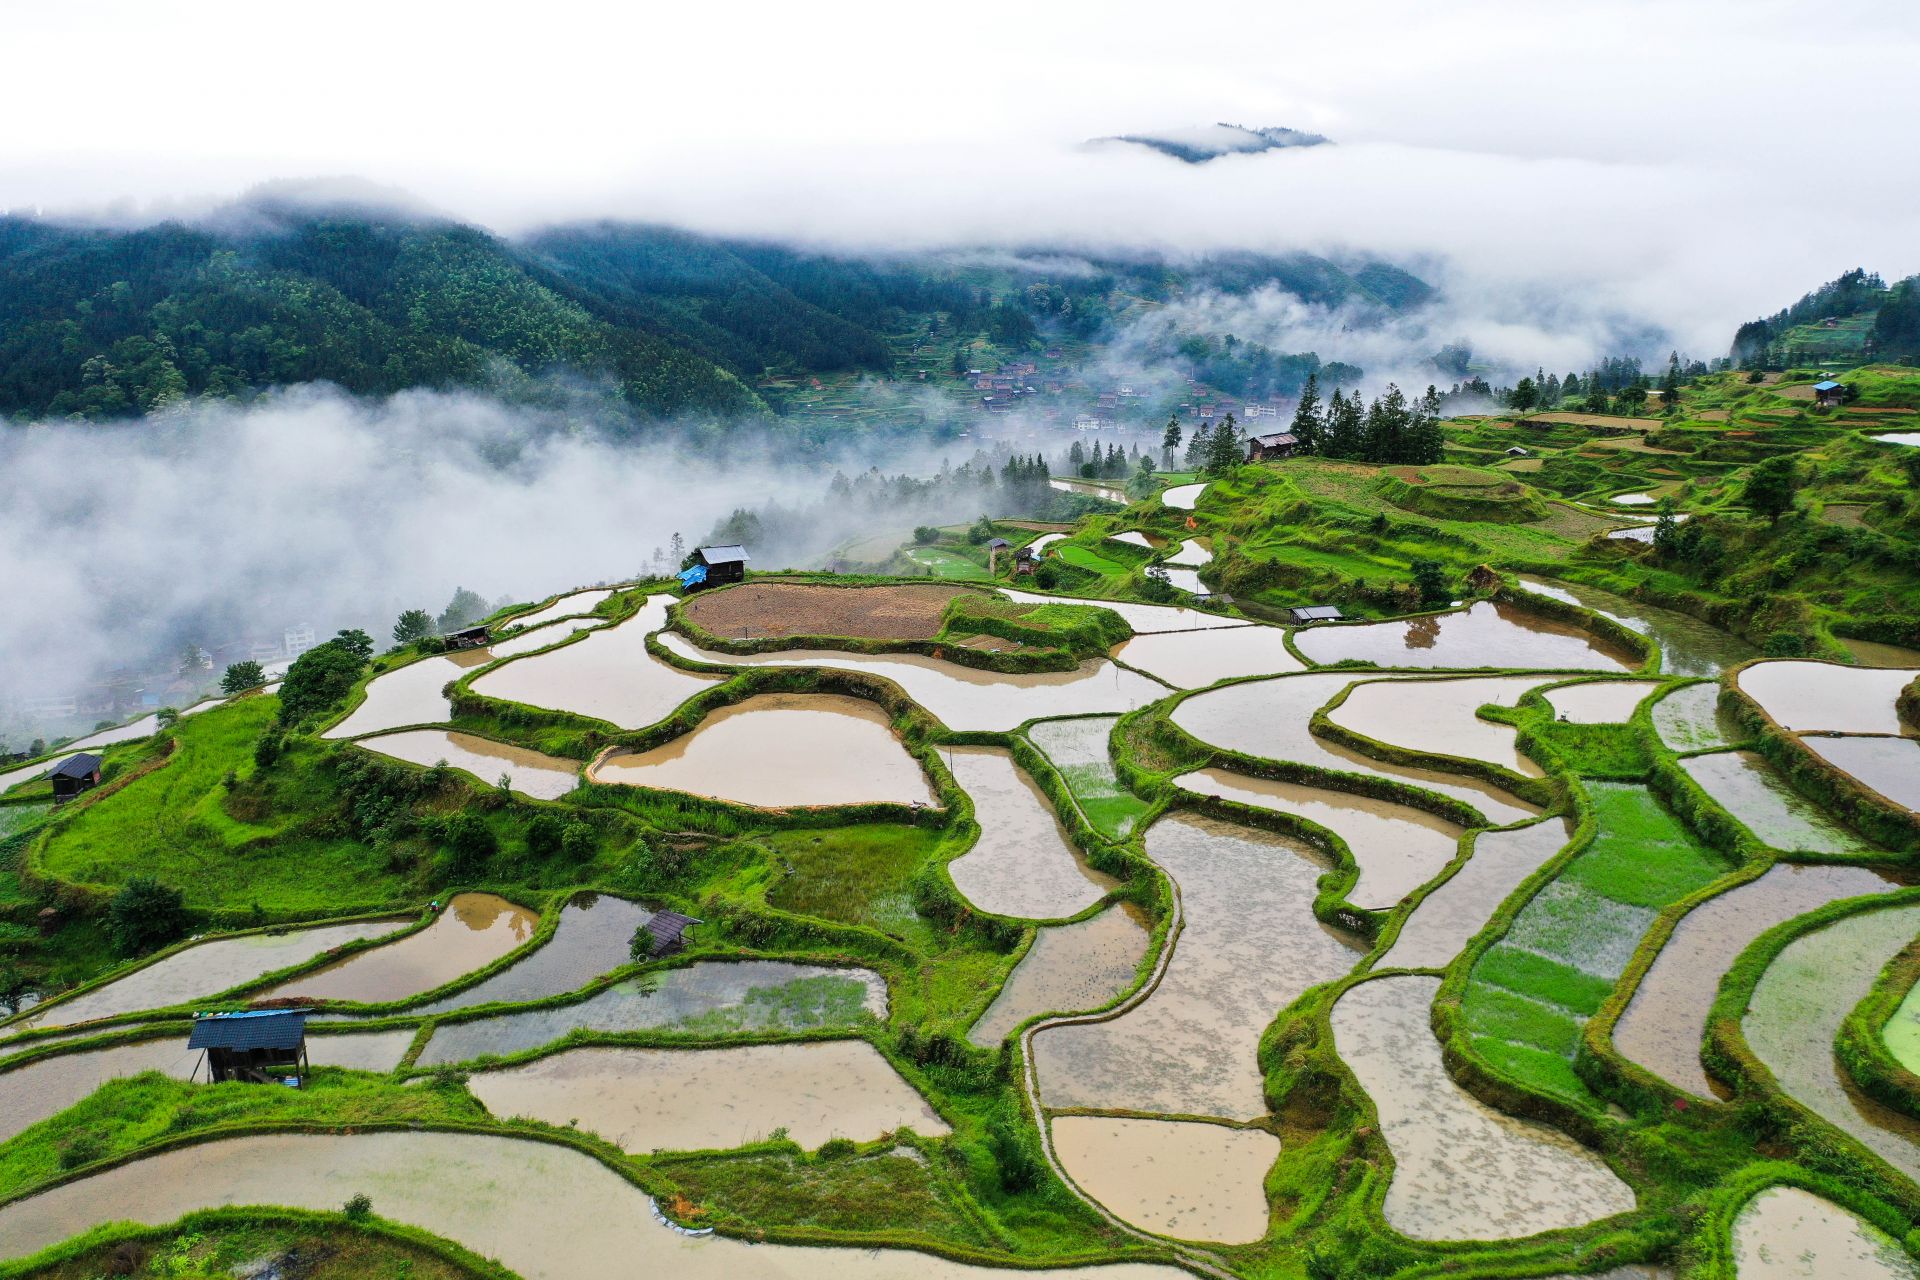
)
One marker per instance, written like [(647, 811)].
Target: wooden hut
[(669, 932), (723, 564), (1271, 448), (1829, 393), (470, 638), (262, 1047), (994, 548), (1315, 613), (75, 774)]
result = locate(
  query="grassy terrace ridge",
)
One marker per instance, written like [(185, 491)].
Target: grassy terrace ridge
[(259, 823)]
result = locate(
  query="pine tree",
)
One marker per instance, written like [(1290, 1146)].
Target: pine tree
[(1224, 448), (1306, 417), (1197, 446), (1170, 441)]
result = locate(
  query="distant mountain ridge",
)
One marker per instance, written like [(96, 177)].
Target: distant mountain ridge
[(1210, 142)]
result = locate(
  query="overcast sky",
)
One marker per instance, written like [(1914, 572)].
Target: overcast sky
[(1690, 162)]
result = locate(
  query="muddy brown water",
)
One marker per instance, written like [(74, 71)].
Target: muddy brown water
[(1821, 697), (591, 939), (1785, 1233), (1666, 1020), (472, 931), (1250, 947), (1489, 634), (205, 969), (1796, 1011), (1690, 719), (1750, 789), (566, 606), (1195, 659), (609, 675), (750, 995), (704, 1099), (1143, 618), (544, 1211), (409, 695), (1070, 968), (1462, 1170), (1446, 919), (1599, 701), (1889, 766), (1688, 646), (777, 750), (1438, 716), (541, 776), (1396, 847), (1871, 653), (1078, 750), (964, 697), (1270, 719), (1023, 864), (1183, 1179)]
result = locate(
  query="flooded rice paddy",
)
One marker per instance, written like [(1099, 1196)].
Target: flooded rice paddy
[(1462, 1170), (1785, 1233), (965, 697), (1044, 541), (473, 931), (1187, 580), (1071, 968), (1633, 499), (1077, 749), (1598, 701), (205, 969), (1902, 1032), (1666, 1020), (567, 606), (1182, 497), (1397, 848), (1796, 1011), (705, 998), (1690, 719), (527, 641), (591, 939), (1270, 719), (1192, 554), (1192, 1181), (1871, 653), (1688, 646), (543, 777), (1023, 863), (1908, 438), (545, 1211), (404, 696), (609, 675), (1489, 634), (1195, 659), (1133, 538), (1746, 786), (1438, 717), (1822, 697), (1889, 766), (1250, 947), (1447, 918), (778, 750), (704, 1099), (1143, 618)]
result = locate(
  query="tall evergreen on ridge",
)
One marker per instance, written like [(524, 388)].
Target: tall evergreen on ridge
[(1306, 417)]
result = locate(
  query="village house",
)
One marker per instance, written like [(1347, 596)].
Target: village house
[(715, 566), (259, 1046), (1829, 393), (75, 774), (1270, 448)]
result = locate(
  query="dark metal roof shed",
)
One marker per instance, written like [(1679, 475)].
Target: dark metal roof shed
[(1316, 613), (261, 1029), (668, 929), (81, 765)]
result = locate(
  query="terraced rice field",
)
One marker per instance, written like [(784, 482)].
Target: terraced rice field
[(897, 612), (1078, 750)]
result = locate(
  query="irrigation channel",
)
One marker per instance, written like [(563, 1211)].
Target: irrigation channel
[(1336, 855)]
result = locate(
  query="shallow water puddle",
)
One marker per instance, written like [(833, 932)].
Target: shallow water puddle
[(1888, 766), (1666, 1020), (1396, 847), (567, 606), (1183, 1179), (1447, 918), (473, 931), (205, 969), (1688, 646), (1143, 618), (1250, 947), (1437, 716), (609, 675), (1598, 701), (1690, 719), (1785, 1233), (1822, 697), (712, 997), (533, 774), (1071, 968), (777, 750), (1023, 864), (964, 697), (1796, 1011), (591, 939), (1489, 634), (545, 1211), (1746, 786), (1270, 719), (1195, 659), (1182, 497), (1461, 1169), (700, 1099)]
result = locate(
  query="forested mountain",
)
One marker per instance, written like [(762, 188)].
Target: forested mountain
[(1853, 317), (98, 323)]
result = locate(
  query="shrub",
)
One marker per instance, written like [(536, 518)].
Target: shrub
[(360, 1208), (318, 681), (145, 915), (543, 835), (836, 1149), (577, 843), (470, 842)]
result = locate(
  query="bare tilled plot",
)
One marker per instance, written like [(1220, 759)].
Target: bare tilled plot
[(806, 609)]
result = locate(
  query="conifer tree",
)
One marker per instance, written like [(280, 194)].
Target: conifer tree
[(1306, 417)]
